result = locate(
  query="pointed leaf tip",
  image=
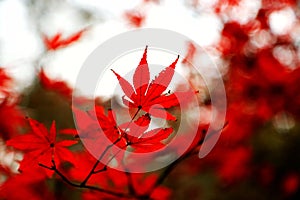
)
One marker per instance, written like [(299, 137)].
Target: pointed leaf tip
[(173, 65), (125, 85), (52, 135), (117, 75), (144, 58)]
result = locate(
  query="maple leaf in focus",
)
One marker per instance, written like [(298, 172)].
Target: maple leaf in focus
[(108, 126), (140, 139), (108, 123), (95, 129), (145, 95), (55, 42), (41, 147), (152, 142)]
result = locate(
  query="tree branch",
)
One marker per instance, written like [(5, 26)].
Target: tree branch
[(65, 179)]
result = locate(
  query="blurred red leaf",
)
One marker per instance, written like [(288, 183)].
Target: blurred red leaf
[(235, 164), (277, 4), (15, 117), (234, 38), (29, 185), (143, 184), (55, 42), (291, 183), (189, 57), (4, 81), (135, 18), (60, 87)]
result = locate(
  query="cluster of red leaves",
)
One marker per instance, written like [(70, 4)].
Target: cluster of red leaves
[(258, 85), (134, 133), (12, 120), (259, 88), (47, 153)]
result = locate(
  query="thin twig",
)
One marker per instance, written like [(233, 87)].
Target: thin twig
[(104, 152), (65, 179)]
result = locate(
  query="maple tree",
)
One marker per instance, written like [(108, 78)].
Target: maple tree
[(48, 155)]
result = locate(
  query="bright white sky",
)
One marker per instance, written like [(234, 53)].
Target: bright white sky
[(19, 46)]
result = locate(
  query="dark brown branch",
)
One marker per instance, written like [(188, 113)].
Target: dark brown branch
[(65, 179), (101, 170)]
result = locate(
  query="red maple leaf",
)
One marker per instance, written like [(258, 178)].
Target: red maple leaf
[(133, 133), (108, 124), (145, 94), (41, 147), (55, 42), (94, 128), (153, 142), (140, 139)]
